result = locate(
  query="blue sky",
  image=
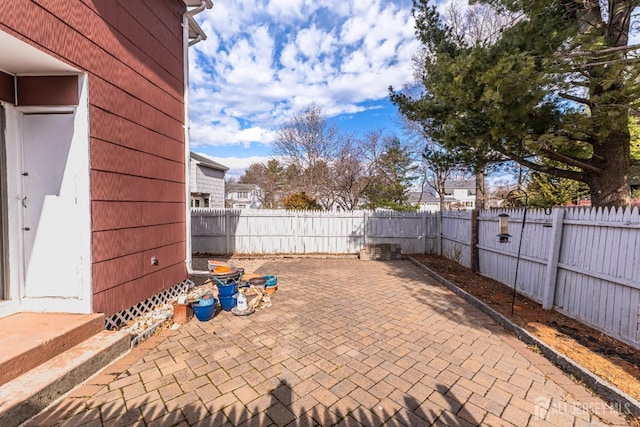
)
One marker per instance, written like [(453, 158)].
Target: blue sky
[(263, 60)]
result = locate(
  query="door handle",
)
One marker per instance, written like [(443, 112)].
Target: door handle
[(26, 229), (24, 202)]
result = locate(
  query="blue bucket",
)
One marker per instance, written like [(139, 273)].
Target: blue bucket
[(226, 289), (271, 281), (204, 312), (228, 302)]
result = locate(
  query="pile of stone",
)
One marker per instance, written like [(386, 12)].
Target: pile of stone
[(381, 251)]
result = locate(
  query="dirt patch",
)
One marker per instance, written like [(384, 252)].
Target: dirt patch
[(610, 359)]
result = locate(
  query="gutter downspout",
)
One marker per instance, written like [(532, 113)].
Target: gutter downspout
[(204, 4), (186, 19), (197, 40)]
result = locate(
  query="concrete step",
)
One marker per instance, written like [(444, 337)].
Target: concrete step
[(30, 339), (30, 393)]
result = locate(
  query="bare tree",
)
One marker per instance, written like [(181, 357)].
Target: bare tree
[(309, 143), (352, 175), (477, 24), (307, 138), (440, 165)]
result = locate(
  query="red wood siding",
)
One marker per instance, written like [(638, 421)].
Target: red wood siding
[(117, 130), (108, 215), (124, 188), (111, 98), (112, 273), (133, 162), (120, 243), (136, 290), (132, 53), (47, 90), (7, 88)]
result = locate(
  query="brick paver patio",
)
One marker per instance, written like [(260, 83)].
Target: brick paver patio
[(347, 342)]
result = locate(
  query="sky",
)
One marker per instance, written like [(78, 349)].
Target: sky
[(264, 60)]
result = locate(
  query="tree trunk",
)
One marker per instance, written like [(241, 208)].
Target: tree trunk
[(609, 111), (482, 199), (610, 187)]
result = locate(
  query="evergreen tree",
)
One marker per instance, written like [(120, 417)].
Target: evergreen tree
[(394, 174), (552, 92), (547, 191)]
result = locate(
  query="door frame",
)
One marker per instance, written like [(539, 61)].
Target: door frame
[(16, 300), (4, 247)]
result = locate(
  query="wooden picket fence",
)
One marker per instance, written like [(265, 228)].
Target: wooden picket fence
[(583, 262)]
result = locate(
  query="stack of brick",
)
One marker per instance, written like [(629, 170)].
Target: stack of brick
[(381, 251)]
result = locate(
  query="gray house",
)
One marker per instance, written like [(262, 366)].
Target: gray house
[(207, 182)]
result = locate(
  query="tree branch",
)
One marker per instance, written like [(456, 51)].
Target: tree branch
[(562, 173), (581, 100), (571, 161), (627, 61), (599, 52)]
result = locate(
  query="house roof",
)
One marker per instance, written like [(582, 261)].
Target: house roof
[(426, 197), (244, 188), (450, 185), (201, 160)]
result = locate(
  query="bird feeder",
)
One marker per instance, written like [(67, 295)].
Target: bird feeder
[(503, 228)]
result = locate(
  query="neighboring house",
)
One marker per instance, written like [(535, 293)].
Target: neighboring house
[(462, 193), (93, 131), (244, 196), (426, 200), (458, 195), (207, 182)]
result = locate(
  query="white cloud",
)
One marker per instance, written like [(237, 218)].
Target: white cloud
[(265, 59), (228, 132)]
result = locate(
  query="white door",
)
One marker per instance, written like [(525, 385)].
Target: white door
[(49, 203)]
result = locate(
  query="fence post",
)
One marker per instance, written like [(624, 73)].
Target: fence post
[(439, 233), (364, 231), (227, 229), (552, 263), (474, 241), (425, 217), (296, 228)]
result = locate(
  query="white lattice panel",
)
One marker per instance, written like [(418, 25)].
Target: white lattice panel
[(122, 318)]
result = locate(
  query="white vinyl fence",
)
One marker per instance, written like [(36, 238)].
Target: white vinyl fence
[(257, 232), (582, 262), (456, 236), (498, 260)]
